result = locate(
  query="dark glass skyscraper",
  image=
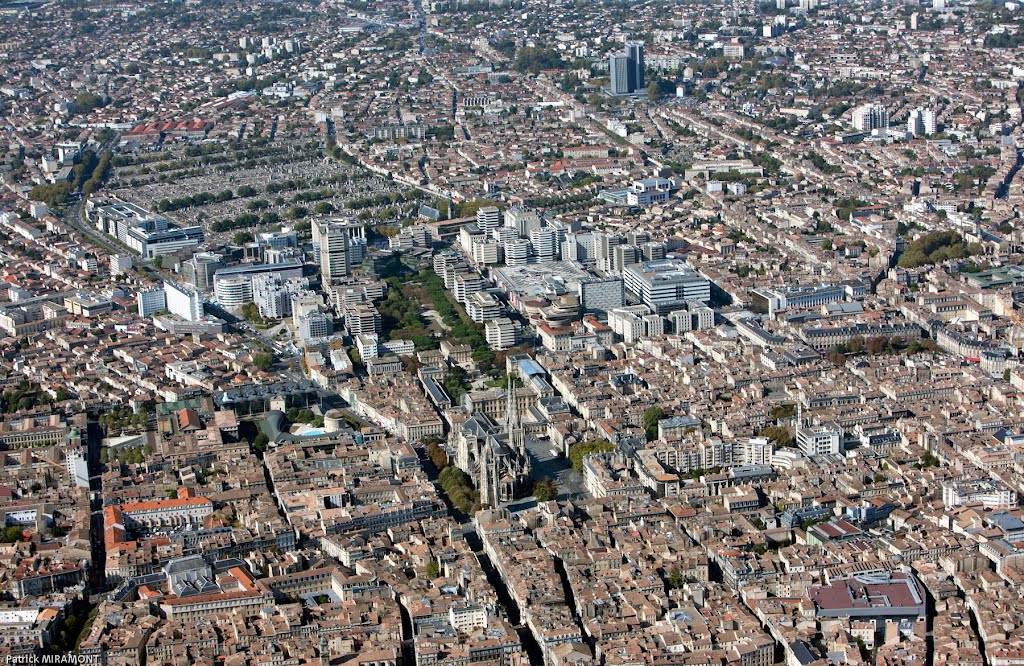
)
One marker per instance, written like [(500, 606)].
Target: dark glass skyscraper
[(626, 70), (635, 53), (620, 73)]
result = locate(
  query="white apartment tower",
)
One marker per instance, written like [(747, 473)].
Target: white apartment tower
[(523, 220), (870, 117), (921, 122), (333, 252), (488, 219)]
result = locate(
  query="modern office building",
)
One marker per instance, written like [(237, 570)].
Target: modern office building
[(482, 306), (770, 300), (545, 243), (304, 303), (120, 263), (666, 285), (151, 301), (233, 291), (628, 322), (695, 317), (361, 319), (487, 252), (523, 220), (876, 597), (820, 440), (625, 255), (184, 301), (232, 287), (315, 325), (465, 284), (579, 247), (150, 244), (647, 191), (274, 294), (147, 233), (635, 53), (286, 237), (200, 269), (601, 294), (989, 493), (604, 247), (517, 252)]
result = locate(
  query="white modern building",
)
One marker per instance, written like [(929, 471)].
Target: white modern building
[(333, 252), (647, 191), (921, 122), (628, 322), (870, 117), (361, 318), (979, 490), (233, 287), (666, 284), (820, 440), (523, 220), (517, 252), (694, 317), (232, 292), (482, 306), (151, 301), (274, 294), (545, 243), (315, 325), (488, 219), (120, 263), (200, 269), (501, 333), (184, 301), (487, 252)]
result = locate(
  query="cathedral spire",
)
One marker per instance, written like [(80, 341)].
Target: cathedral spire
[(513, 422)]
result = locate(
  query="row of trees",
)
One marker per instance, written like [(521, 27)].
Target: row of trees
[(437, 455), (249, 220), (87, 176), (400, 317), (459, 488), (200, 199), (384, 199), (124, 418), (880, 345), (128, 455), (463, 329), (98, 174), (251, 432), (251, 311)]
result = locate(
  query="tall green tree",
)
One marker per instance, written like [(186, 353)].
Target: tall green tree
[(651, 417)]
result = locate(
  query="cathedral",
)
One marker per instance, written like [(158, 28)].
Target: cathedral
[(494, 454)]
